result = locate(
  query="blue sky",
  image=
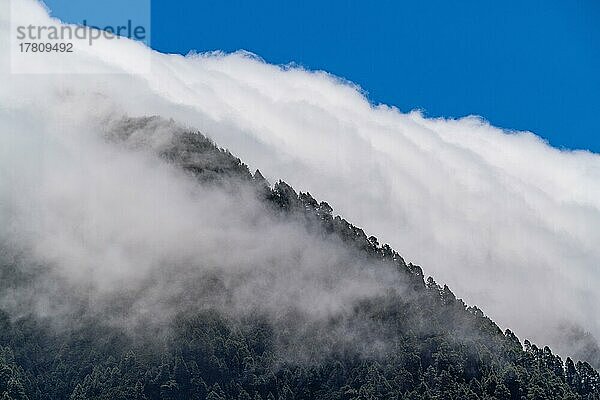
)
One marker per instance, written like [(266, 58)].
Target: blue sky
[(533, 66)]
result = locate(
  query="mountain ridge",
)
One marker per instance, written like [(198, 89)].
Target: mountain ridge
[(433, 345)]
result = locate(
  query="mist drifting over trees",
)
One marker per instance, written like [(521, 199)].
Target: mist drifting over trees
[(139, 259)]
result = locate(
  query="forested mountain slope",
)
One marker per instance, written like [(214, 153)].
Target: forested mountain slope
[(417, 342)]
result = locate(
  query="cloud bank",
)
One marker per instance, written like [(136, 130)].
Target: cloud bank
[(508, 222)]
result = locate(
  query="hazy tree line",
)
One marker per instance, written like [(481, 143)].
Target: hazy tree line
[(435, 346)]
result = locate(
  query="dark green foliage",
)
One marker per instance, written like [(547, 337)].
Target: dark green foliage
[(209, 358), (434, 346), (12, 385)]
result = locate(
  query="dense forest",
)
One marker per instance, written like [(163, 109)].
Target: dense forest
[(420, 343)]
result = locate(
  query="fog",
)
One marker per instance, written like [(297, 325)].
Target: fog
[(508, 222), (107, 229)]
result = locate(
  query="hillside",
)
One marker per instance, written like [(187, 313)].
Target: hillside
[(412, 339)]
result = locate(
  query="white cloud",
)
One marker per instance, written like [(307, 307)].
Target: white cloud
[(508, 222)]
